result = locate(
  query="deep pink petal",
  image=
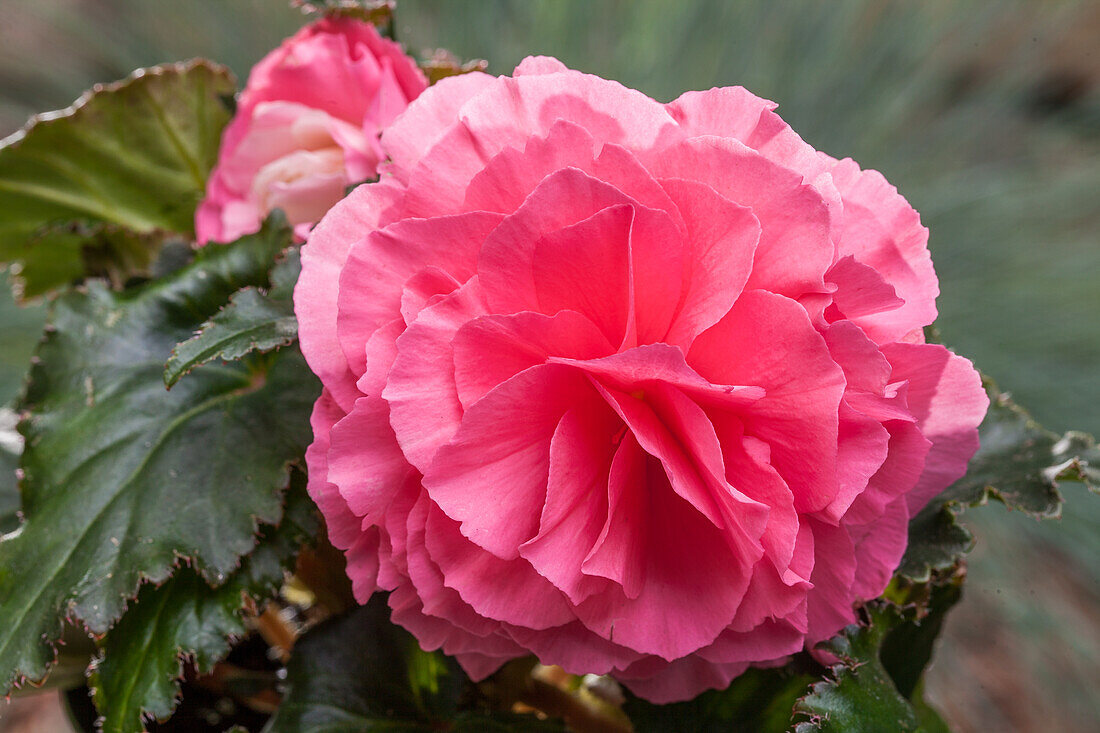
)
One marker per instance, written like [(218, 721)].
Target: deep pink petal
[(576, 499), (767, 340)]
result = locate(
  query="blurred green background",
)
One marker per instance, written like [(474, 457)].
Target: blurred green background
[(986, 115)]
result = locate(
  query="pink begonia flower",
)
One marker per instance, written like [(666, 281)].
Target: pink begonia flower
[(638, 388), (307, 127)]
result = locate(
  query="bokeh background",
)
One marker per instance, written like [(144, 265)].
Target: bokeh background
[(986, 115)]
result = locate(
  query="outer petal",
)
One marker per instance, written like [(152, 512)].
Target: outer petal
[(946, 396), (315, 295)]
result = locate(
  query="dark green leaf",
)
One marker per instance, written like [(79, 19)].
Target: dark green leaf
[(11, 445), (253, 320), (122, 478), (20, 329), (142, 656), (359, 672), (133, 155), (1019, 463), (860, 697), (907, 648), (758, 701), (9, 490)]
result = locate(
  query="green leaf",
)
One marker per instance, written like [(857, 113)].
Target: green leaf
[(11, 445), (860, 697), (137, 676), (254, 320), (359, 672), (9, 489), (122, 478), (907, 648), (1019, 464), (758, 701), (133, 155)]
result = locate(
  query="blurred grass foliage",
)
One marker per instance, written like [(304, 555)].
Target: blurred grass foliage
[(985, 115)]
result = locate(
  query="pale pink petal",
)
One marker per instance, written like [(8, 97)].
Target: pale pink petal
[(539, 65)]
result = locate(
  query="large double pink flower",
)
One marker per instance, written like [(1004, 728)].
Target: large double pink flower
[(637, 388), (306, 127)]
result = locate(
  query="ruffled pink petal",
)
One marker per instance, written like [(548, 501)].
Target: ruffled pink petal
[(770, 640), (420, 389), (861, 293), (416, 130), (795, 248), (722, 239), (830, 601), (946, 396), (315, 295), (586, 268), (738, 113), (343, 525), (663, 682), (882, 231), (879, 547), (574, 648), (365, 461), (690, 580), (767, 340), (509, 112), (576, 499), (489, 350), (507, 258), (502, 449), (378, 267), (505, 590)]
